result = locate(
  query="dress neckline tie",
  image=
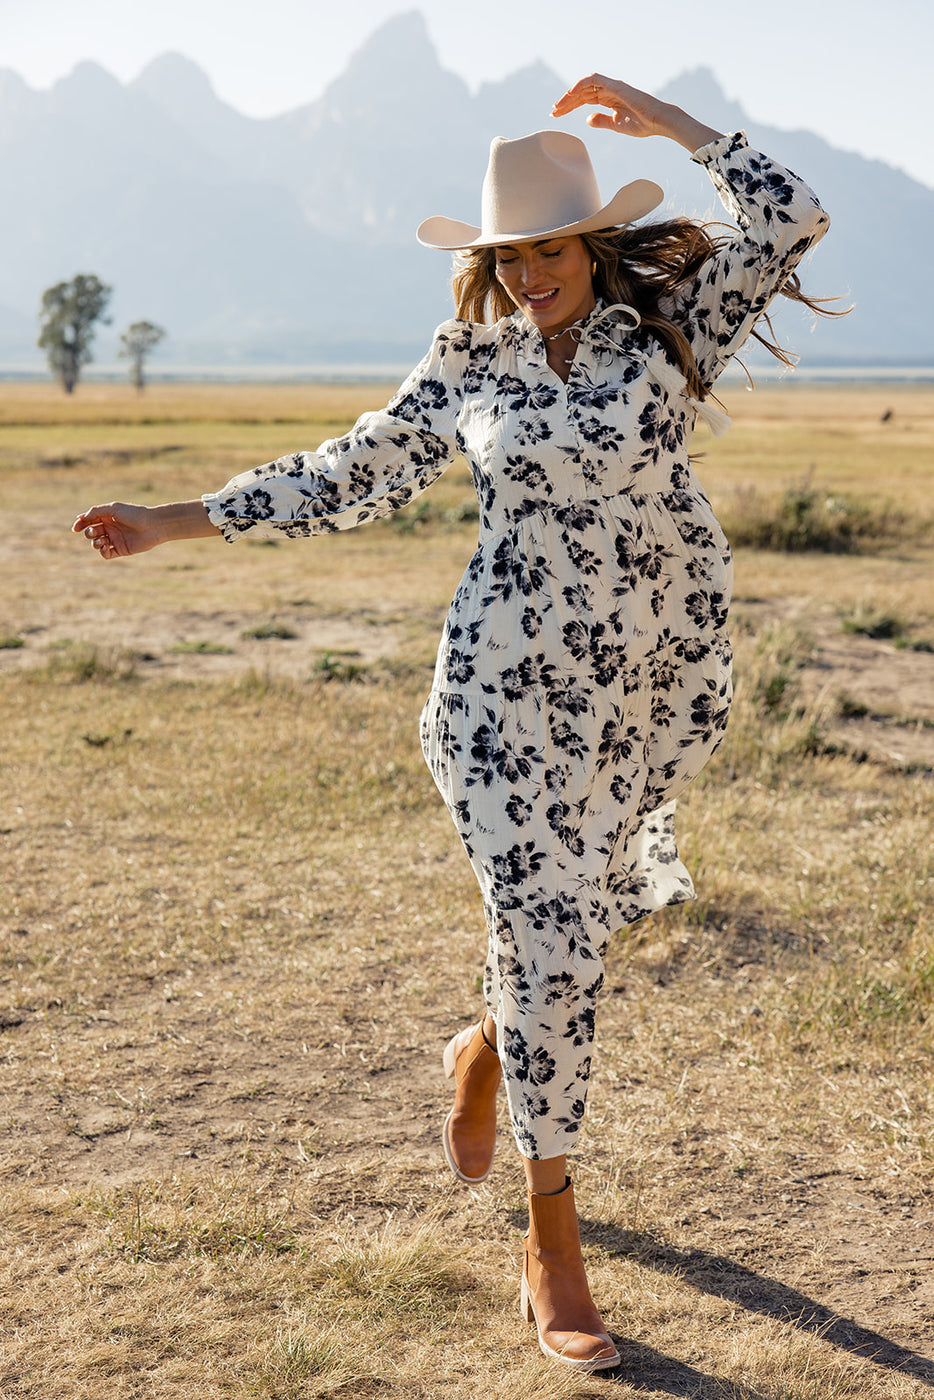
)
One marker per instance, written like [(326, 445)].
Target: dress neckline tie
[(664, 373)]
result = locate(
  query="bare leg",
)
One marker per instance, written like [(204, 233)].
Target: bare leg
[(546, 1177)]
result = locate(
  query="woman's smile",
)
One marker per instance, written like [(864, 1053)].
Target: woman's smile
[(542, 299), (549, 280)]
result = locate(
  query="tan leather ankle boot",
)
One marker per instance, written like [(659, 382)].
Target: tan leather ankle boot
[(555, 1293), (469, 1135)]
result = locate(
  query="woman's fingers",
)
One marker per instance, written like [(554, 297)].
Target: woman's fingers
[(110, 529), (608, 121), (97, 534), (93, 517), (632, 112), (582, 94)]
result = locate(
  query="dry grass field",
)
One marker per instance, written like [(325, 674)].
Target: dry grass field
[(237, 930)]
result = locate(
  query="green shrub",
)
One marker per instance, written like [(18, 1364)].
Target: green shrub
[(805, 517), (866, 621), (270, 631), (78, 662)]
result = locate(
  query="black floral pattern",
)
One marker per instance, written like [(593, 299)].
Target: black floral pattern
[(583, 676)]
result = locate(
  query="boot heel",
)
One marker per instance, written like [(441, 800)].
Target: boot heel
[(525, 1301), (449, 1059)]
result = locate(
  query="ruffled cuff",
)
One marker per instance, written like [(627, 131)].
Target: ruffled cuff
[(220, 518), (719, 149)]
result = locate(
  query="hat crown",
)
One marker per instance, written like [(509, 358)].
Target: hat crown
[(540, 186), (537, 183)]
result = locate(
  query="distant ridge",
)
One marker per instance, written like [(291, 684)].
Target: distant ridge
[(289, 240)]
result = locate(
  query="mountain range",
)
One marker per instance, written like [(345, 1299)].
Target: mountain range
[(289, 241)]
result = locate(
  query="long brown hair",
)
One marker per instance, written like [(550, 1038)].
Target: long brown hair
[(641, 267)]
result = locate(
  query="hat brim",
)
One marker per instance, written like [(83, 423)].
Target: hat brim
[(630, 203)]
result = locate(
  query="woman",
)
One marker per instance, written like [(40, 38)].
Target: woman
[(583, 677)]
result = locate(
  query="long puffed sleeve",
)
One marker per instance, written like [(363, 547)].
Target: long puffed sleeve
[(779, 219), (386, 460)]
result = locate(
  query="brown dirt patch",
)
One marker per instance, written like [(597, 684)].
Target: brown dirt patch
[(886, 693)]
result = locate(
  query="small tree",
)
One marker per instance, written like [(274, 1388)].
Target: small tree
[(136, 343), (68, 317)]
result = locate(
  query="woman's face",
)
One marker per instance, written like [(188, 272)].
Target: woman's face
[(548, 279)]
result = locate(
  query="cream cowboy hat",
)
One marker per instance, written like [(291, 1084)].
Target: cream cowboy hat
[(539, 185)]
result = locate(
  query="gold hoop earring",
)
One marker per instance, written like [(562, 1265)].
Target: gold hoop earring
[(593, 269)]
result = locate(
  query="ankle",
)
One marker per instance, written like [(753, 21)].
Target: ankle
[(546, 1176), (559, 1192)]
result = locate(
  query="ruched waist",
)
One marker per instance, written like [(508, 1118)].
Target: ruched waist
[(641, 487), (592, 584)]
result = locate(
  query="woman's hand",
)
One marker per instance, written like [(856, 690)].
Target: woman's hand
[(632, 112), (118, 530)]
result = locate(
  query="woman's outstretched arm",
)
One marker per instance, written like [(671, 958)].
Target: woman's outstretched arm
[(118, 529), (633, 113)]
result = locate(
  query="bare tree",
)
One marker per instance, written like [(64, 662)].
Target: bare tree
[(68, 317), (136, 344)]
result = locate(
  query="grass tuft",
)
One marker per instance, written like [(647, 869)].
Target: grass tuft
[(339, 666), (807, 518), (200, 649), (310, 1364), (770, 722), (79, 663), (848, 707), (400, 1271), (269, 631), (866, 620)]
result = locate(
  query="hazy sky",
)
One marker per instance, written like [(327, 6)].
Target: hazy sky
[(858, 73)]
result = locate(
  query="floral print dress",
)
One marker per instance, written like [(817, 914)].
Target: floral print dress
[(583, 675)]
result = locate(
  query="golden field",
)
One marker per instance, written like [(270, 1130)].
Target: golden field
[(238, 929)]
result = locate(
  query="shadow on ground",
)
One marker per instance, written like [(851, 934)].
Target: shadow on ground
[(721, 1277)]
